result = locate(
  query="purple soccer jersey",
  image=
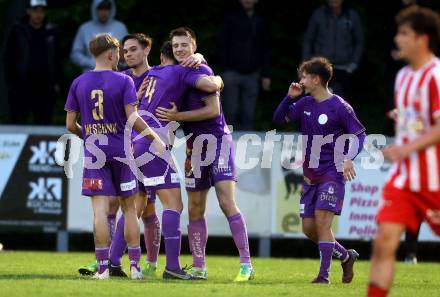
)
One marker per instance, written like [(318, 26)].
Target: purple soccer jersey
[(100, 97), (200, 177), (136, 79), (323, 187), (166, 84), (137, 83), (333, 116), (194, 100)]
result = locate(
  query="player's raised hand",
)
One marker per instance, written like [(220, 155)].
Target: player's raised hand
[(395, 153), (295, 90), (168, 114), (348, 170), (192, 61), (433, 216), (141, 90)]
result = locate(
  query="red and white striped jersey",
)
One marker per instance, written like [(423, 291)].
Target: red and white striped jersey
[(417, 99)]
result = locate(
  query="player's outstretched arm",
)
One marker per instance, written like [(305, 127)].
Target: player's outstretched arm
[(397, 153), (209, 111), (72, 124), (209, 84), (142, 128), (280, 115)]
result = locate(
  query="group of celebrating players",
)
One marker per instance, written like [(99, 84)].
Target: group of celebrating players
[(188, 92), (184, 89)]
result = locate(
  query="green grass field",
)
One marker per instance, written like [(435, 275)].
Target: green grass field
[(26, 274)]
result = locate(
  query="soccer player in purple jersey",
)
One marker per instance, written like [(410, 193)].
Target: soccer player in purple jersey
[(105, 100), (136, 48), (203, 118), (323, 118), (167, 85)]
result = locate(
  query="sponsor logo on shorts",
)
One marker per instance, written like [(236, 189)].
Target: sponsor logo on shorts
[(94, 184), (175, 178), (128, 186), (154, 181), (190, 182), (328, 197), (301, 208)]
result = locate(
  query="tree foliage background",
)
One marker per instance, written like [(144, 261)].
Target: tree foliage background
[(287, 21)]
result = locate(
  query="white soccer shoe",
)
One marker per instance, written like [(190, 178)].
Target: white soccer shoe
[(102, 276), (136, 274)]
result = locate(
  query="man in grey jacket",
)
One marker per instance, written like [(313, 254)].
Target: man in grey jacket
[(103, 14), (335, 32)]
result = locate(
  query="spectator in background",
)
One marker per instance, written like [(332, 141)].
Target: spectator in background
[(103, 14), (244, 58), (32, 67), (335, 32)]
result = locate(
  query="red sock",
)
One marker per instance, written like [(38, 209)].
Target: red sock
[(375, 291)]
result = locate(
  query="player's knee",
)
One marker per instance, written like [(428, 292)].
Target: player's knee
[(308, 231), (196, 210), (228, 206), (150, 209), (113, 205), (139, 211), (177, 206), (384, 245)]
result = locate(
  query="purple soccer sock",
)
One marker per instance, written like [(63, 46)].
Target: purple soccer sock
[(239, 233), (102, 258), (172, 238), (119, 245), (152, 237), (198, 237), (325, 252), (340, 252), (111, 219), (134, 254)]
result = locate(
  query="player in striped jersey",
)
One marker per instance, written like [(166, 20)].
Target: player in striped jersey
[(411, 194)]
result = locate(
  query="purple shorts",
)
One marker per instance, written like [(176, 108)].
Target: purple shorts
[(158, 173), (200, 177), (113, 179), (324, 196)]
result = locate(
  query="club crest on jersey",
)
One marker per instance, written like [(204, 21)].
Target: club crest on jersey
[(322, 119)]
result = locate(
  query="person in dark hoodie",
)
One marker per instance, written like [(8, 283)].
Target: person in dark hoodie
[(103, 21), (32, 67), (335, 32), (245, 60)]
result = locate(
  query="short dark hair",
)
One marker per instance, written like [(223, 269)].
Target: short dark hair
[(101, 43), (144, 40), (184, 31), (319, 66), (167, 50), (423, 21)]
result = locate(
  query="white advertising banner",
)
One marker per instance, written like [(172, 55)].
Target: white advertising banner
[(362, 198), (253, 194)]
